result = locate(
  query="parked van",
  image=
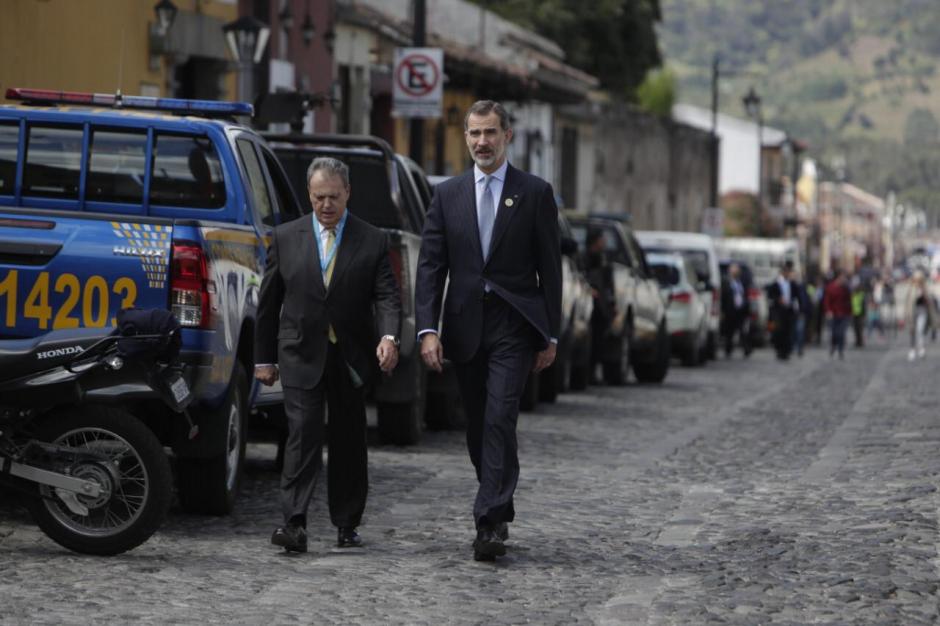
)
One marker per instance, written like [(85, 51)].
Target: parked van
[(700, 250), (765, 256)]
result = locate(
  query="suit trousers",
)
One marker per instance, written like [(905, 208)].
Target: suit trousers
[(347, 474), (491, 384)]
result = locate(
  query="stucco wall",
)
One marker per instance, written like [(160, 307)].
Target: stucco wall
[(655, 170)]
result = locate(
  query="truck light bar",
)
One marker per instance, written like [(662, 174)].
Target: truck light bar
[(118, 101)]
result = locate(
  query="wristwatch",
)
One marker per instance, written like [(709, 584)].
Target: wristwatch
[(393, 339)]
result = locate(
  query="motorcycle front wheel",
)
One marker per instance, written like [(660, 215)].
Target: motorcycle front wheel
[(126, 460)]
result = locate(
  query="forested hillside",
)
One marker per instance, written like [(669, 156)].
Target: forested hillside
[(854, 78)]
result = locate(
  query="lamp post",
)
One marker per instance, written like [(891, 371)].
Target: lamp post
[(752, 104), (307, 30), (166, 13), (246, 37)]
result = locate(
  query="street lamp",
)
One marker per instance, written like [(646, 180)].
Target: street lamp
[(166, 13), (752, 104), (307, 29), (246, 37), (285, 17)]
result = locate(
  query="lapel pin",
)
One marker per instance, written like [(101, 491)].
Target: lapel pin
[(508, 201)]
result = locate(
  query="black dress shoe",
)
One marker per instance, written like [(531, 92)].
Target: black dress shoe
[(488, 545), (502, 531), (291, 538), (348, 538)]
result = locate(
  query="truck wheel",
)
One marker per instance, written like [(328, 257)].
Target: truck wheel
[(401, 423), (530, 395), (654, 371), (617, 372), (210, 486)]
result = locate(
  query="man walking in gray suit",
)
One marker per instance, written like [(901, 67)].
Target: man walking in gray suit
[(316, 331), (494, 232)]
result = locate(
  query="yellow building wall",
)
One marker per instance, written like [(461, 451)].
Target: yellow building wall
[(88, 45)]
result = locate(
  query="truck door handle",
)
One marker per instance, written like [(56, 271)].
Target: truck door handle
[(28, 252)]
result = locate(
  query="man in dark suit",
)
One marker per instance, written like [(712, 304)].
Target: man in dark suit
[(781, 294), (316, 331), (735, 311), (494, 232)]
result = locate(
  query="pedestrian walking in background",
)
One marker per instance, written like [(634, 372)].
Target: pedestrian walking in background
[(819, 313), (735, 311), (920, 313), (600, 277), (875, 309), (858, 310), (802, 308), (780, 297), (327, 296), (494, 232), (837, 304)]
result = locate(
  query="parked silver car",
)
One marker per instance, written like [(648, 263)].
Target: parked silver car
[(689, 302)]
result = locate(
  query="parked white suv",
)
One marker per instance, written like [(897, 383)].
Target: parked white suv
[(700, 250)]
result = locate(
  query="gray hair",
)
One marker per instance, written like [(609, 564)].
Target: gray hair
[(333, 167), (485, 107)]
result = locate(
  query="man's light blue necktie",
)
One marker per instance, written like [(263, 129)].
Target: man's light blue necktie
[(486, 216)]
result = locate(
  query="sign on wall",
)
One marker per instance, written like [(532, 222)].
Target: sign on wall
[(418, 82)]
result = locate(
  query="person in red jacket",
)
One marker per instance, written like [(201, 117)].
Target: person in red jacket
[(837, 303)]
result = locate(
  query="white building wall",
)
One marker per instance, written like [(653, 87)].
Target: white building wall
[(739, 160)]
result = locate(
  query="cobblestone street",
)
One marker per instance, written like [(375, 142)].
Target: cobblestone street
[(744, 492)]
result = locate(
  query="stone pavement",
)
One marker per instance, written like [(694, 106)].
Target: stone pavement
[(745, 492)]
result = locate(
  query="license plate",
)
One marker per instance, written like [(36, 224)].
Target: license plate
[(180, 390)]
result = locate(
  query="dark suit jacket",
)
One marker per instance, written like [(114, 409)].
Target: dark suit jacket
[(296, 336), (523, 268)]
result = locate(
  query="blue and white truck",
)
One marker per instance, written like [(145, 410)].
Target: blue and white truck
[(108, 202)]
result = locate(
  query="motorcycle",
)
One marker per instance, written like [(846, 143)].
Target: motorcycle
[(96, 478)]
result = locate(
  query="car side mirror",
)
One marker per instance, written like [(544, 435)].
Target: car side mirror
[(569, 247)]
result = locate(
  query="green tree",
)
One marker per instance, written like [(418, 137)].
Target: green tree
[(614, 40), (657, 93), (921, 128)]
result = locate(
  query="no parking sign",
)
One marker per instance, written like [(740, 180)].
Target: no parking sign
[(418, 82)]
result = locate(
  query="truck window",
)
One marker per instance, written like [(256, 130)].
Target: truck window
[(259, 186), (116, 166), (9, 136), (285, 197), (53, 162), (370, 194), (186, 172)]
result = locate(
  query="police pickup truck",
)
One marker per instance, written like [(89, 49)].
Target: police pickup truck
[(108, 202)]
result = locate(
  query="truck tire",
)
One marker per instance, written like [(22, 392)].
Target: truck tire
[(401, 423), (654, 370), (210, 486)]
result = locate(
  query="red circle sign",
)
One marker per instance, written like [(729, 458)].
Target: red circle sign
[(417, 75)]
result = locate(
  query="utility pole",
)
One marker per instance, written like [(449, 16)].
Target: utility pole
[(713, 195), (419, 39)]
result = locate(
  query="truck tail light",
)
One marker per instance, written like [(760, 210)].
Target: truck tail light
[(680, 296), (189, 286), (398, 256)]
